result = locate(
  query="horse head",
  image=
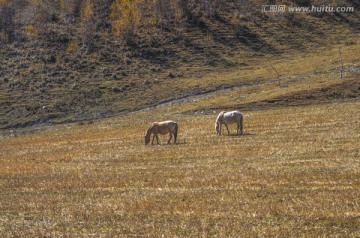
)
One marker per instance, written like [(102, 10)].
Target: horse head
[(148, 134), (217, 128), (218, 122), (147, 139)]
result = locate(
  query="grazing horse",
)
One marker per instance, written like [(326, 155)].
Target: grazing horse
[(161, 128), (229, 118)]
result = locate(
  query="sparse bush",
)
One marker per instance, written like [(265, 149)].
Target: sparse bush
[(30, 30), (116, 89), (210, 60), (129, 37), (89, 26), (164, 12), (63, 38), (72, 47), (194, 9), (71, 8), (36, 18), (50, 59)]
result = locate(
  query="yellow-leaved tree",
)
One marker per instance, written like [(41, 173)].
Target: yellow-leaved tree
[(87, 11), (125, 15), (88, 22)]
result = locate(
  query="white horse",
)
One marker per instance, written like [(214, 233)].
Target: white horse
[(229, 118)]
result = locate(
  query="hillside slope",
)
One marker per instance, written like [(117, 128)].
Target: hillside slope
[(55, 78)]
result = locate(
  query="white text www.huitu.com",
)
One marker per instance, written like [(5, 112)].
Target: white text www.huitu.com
[(312, 9)]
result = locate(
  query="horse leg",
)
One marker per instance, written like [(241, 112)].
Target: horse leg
[(152, 142), (157, 139), (227, 128), (242, 125), (170, 137)]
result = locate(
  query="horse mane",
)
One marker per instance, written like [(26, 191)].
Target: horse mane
[(221, 114), (150, 129)]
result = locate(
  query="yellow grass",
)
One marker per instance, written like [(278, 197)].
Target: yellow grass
[(295, 173)]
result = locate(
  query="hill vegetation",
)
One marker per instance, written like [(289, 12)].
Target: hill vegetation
[(75, 60)]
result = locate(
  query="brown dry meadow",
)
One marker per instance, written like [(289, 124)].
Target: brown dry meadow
[(294, 173)]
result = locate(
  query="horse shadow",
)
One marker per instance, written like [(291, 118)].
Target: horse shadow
[(240, 135), (176, 143), (170, 144)]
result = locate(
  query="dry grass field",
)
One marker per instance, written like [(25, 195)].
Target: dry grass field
[(294, 173), (76, 98)]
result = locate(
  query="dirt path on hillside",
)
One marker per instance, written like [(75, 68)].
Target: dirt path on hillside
[(345, 90), (349, 90)]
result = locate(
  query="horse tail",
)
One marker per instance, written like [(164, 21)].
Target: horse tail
[(175, 132), (241, 123)]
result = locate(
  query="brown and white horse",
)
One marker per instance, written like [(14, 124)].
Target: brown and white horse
[(161, 128)]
